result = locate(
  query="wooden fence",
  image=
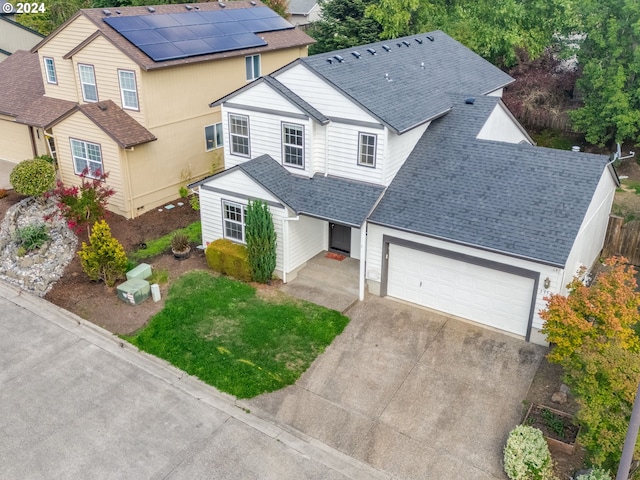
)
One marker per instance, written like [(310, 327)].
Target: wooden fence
[(623, 239)]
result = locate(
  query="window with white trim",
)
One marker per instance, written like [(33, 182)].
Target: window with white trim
[(213, 136), (128, 89), (88, 83), (50, 69), (239, 133), (86, 156), (252, 66), (367, 150), (293, 145), (233, 220)]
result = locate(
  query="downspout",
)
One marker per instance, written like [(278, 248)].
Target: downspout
[(132, 213), (363, 260), (33, 142), (285, 245)]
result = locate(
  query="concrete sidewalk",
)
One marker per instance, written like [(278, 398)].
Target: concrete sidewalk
[(78, 402)]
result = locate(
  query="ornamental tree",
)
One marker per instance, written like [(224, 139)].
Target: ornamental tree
[(261, 241), (103, 258), (594, 337)]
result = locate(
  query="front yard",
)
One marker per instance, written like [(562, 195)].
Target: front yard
[(224, 333)]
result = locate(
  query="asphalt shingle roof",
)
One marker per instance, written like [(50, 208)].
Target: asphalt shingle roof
[(516, 199), (329, 198), (419, 75), (301, 7), (120, 126)]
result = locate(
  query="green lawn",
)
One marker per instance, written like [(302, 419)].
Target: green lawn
[(218, 330)]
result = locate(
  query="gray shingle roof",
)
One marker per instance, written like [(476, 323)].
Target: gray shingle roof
[(296, 100), (414, 94), (329, 198), (301, 7), (520, 200)]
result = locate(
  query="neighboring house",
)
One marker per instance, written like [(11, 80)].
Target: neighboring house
[(126, 90), (304, 12), (14, 36), (401, 154)]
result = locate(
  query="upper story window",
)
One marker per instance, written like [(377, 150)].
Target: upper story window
[(367, 150), (86, 156), (213, 136), (293, 145), (252, 65), (50, 69), (233, 219), (88, 82), (239, 132), (128, 89)]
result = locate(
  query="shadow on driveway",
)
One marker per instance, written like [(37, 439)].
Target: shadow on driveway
[(414, 393)]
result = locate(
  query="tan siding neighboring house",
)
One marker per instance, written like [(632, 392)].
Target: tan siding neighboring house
[(14, 37), (147, 117)]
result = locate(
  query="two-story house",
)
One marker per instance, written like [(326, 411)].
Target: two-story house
[(13, 35), (125, 91), (401, 154)]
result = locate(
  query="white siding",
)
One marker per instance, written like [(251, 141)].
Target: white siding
[(342, 153), (307, 237), (211, 207), (355, 243), (265, 137), (398, 149), (321, 95), (496, 93), (374, 262), (502, 127), (590, 238), (262, 95)]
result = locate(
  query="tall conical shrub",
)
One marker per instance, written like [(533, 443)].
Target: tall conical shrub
[(103, 258), (260, 236)]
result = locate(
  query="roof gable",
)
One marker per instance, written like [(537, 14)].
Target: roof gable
[(403, 83)]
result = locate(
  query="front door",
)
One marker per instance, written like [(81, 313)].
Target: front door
[(340, 238)]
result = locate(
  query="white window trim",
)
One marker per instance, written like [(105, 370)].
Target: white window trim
[(231, 135), (284, 144), (86, 159), (122, 90), (53, 81), (249, 66), (375, 149), (216, 144), (243, 210), (82, 83)]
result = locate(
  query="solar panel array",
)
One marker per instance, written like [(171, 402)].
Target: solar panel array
[(170, 36)]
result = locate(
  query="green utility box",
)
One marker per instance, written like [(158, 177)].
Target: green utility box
[(142, 272), (134, 291)]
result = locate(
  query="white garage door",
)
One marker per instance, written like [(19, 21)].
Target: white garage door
[(501, 300)]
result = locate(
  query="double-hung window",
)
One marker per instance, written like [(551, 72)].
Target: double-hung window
[(86, 157), (213, 136), (293, 144), (88, 82), (367, 150), (239, 133), (233, 220), (50, 69), (128, 89), (252, 67)]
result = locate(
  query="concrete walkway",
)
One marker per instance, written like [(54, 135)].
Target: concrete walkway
[(77, 402), (411, 392)]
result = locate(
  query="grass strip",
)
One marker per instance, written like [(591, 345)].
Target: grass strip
[(162, 244)]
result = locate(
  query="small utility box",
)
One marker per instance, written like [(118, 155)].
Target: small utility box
[(142, 272), (134, 291)]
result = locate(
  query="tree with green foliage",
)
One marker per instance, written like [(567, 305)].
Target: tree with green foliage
[(609, 59), (33, 177), (343, 25), (103, 258), (594, 334), (261, 241)]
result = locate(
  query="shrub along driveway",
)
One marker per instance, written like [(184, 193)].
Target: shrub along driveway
[(413, 393)]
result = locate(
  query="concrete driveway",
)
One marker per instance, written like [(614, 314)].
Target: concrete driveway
[(413, 393)]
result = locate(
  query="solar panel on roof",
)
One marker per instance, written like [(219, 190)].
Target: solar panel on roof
[(180, 35)]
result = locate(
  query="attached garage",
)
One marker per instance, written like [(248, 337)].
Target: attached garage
[(494, 294)]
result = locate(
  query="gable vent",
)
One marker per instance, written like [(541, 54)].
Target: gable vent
[(356, 54), (430, 38), (371, 51), (405, 43), (339, 58), (386, 48), (151, 9), (188, 7), (419, 40), (106, 12)]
